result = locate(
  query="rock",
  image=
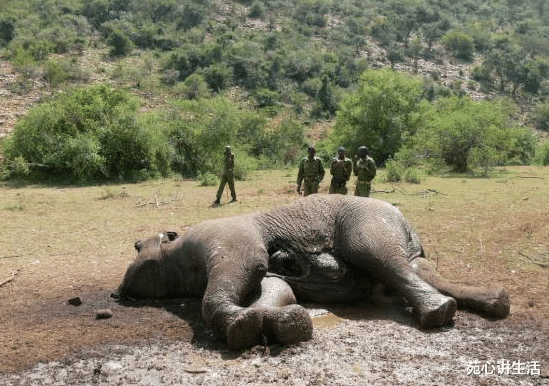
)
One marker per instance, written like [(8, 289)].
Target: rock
[(103, 314), (75, 301)]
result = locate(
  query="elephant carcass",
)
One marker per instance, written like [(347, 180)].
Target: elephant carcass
[(250, 270)]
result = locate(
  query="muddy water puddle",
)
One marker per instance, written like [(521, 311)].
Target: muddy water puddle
[(327, 320)]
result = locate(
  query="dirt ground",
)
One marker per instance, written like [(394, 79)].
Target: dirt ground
[(166, 343)]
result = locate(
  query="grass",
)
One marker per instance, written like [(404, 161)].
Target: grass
[(473, 229)]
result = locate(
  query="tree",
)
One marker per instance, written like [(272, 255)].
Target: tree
[(463, 133), (7, 29), (381, 114), (325, 99), (120, 43), (460, 43)]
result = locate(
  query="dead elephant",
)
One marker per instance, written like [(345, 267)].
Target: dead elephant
[(250, 269)]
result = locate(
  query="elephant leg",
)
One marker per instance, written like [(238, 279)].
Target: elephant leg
[(493, 302), (230, 284), (283, 319), (388, 263), (376, 238), (430, 307)]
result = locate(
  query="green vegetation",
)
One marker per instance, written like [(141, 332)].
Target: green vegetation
[(460, 133), (380, 114), (261, 75), (88, 134)]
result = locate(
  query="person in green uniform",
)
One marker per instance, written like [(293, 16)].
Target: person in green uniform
[(228, 176), (341, 170), (364, 168), (311, 171)]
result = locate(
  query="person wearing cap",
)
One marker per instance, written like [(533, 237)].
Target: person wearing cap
[(227, 177), (311, 171), (364, 167), (341, 170)]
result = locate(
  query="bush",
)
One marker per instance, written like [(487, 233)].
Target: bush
[(218, 76), (88, 134), (542, 154), (257, 10), (120, 43), (541, 117), (244, 165), (194, 87), (412, 176), (55, 73), (460, 43), (207, 179), (7, 29), (465, 134), (191, 16), (394, 171)]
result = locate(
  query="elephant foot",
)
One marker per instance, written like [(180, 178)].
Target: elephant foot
[(492, 303), (290, 324), (499, 305), (438, 311), (246, 330)]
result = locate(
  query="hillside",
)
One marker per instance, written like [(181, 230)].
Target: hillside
[(272, 57)]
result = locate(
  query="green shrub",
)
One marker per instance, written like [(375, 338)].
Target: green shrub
[(381, 113), (7, 29), (460, 43), (244, 165), (81, 159), (541, 117), (266, 98), (19, 168), (257, 10), (194, 87), (120, 43), (542, 154), (466, 134), (207, 179), (393, 171), (97, 11), (218, 76), (87, 134), (55, 74), (412, 176), (191, 16)]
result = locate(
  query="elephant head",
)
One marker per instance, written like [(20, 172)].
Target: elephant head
[(160, 270)]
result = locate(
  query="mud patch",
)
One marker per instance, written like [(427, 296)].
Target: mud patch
[(349, 352)]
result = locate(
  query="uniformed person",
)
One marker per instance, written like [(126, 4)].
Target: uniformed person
[(228, 176), (341, 170), (311, 171), (364, 167)]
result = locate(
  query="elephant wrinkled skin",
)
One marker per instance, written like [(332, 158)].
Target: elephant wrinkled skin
[(250, 270)]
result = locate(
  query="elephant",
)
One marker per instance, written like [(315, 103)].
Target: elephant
[(251, 270)]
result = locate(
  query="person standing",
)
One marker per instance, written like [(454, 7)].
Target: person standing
[(311, 171), (364, 167), (227, 177), (341, 170)]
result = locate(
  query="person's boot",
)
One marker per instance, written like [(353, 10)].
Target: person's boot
[(217, 201), (234, 199)]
